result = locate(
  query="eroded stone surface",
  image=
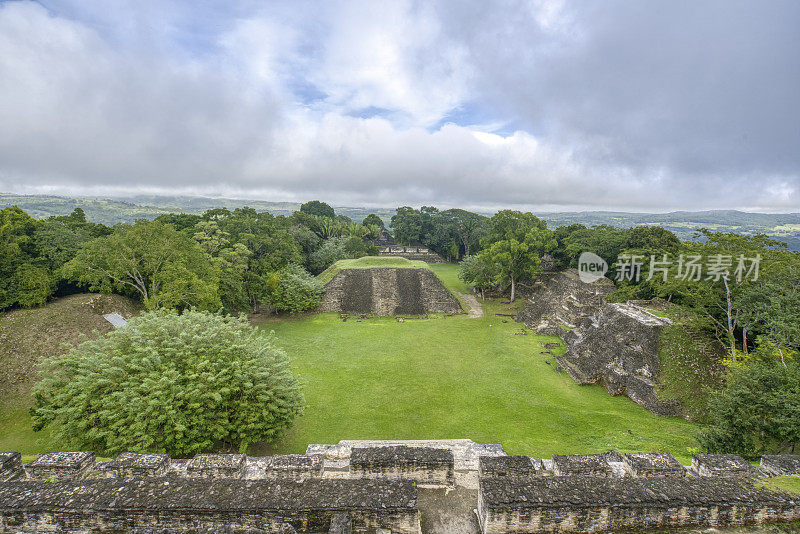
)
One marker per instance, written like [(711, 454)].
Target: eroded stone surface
[(590, 504), (216, 465), (560, 300), (572, 465), (619, 347), (506, 466), (653, 464), (10, 466), (131, 464), (781, 464), (423, 465), (722, 465), (67, 465)]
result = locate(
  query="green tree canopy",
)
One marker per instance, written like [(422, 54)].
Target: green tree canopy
[(179, 384), (292, 289), (516, 242), (758, 412), (373, 219), (321, 209), (150, 259)]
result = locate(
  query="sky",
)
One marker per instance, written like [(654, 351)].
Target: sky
[(547, 105)]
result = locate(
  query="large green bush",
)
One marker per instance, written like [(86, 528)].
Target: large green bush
[(171, 383), (758, 412), (292, 289)]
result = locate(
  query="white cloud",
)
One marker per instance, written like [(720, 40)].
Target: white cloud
[(265, 101)]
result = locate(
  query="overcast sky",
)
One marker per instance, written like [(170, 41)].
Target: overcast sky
[(548, 105)]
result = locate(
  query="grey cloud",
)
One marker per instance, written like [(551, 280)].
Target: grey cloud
[(623, 105)]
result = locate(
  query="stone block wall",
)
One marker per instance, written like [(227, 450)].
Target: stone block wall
[(425, 466), (210, 505), (61, 465), (11, 466), (371, 487), (722, 465), (781, 464), (653, 464), (592, 504)]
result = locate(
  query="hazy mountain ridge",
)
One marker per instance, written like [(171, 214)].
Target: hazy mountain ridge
[(110, 211)]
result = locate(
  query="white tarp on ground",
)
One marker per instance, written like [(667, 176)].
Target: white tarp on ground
[(116, 319)]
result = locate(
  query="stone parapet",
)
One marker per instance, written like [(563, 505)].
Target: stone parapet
[(596, 504), (425, 466)]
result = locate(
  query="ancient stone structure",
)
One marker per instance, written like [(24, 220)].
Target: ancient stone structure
[(781, 464), (587, 465), (592, 504), (424, 465), (216, 466), (133, 465), (652, 464), (61, 465), (619, 347), (378, 487), (507, 466), (385, 292), (722, 465), (559, 301), (10, 466), (410, 253)]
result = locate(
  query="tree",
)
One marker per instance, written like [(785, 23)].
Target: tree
[(407, 225), (164, 267), (771, 306), (320, 209), (373, 219), (758, 412), (292, 289), (339, 248), (517, 242), (179, 384), (476, 270)]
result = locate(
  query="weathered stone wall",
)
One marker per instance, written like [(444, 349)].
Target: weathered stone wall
[(425, 466), (371, 487), (387, 292), (212, 505), (592, 504), (560, 299), (619, 347)]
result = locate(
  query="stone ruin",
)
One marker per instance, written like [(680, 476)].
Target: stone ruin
[(386, 487), (386, 292), (560, 300), (611, 343), (619, 348)]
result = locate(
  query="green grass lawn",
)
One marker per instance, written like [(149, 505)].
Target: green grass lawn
[(455, 377)]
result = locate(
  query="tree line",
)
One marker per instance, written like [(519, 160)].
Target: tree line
[(236, 261)]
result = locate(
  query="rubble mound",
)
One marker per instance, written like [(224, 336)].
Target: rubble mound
[(559, 301), (619, 346), (387, 291)]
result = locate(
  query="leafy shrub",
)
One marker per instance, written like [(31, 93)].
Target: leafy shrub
[(758, 412), (339, 248), (170, 383), (292, 289)]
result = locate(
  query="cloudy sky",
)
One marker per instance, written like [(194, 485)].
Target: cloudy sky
[(549, 105)]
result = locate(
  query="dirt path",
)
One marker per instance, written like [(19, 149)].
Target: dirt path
[(475, 308)]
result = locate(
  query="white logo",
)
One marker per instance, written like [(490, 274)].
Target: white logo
[(591, 267)]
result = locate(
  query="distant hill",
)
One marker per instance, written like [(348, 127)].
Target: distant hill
[(781, 226), (110, 211)]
